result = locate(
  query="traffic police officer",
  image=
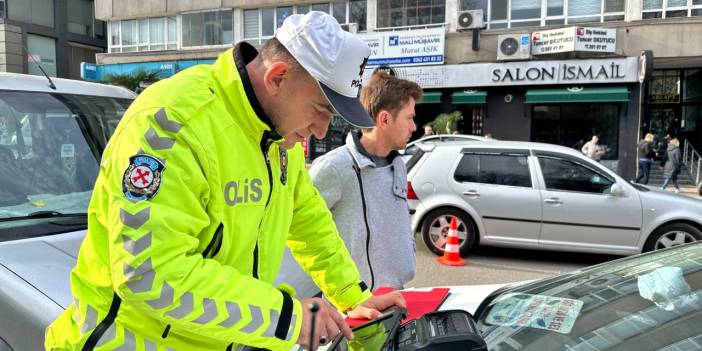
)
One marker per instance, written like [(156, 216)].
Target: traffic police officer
[(201, 187)]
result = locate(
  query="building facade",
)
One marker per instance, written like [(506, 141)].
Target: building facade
[(570, 70), (55, 34)]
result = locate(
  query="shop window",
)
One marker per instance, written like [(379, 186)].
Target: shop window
[(509, 170), (148, 34), (208, 28), (405, 13), (261, 24), (43, 52), (572, 125), (671, 8), (39, 12)]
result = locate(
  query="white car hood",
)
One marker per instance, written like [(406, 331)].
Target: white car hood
[(466, 297), (45, 263)]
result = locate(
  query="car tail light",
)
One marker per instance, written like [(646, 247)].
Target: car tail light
[(411, 195)]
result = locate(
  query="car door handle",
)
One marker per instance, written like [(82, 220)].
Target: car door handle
[(553, 201), (471, 193)]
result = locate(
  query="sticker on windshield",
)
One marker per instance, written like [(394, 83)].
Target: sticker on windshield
[(68, 150), (536, 311), (142, 179)]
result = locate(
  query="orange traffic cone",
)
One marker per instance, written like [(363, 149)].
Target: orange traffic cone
[(451, 255)]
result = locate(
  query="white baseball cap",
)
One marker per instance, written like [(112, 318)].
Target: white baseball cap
[(334, 57)]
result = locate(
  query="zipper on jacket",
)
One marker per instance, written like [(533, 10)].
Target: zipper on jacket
[(365, 219), (215, 244), (104, 324), (266, 141)]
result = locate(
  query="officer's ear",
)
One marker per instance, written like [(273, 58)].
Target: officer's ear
[(276, 75)]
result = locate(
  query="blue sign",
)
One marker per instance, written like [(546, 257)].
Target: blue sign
[(88, 71), (393, 40)]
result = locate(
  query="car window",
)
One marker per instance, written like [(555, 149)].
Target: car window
[(500, 169), (562, 174), (411, 150), (648, 302), (50, 145)]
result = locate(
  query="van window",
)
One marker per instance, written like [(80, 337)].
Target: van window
[(50, 145)]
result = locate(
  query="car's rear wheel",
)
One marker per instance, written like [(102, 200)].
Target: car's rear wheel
[(435, 230), (670, 235)]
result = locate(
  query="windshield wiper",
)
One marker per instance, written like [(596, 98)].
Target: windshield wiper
[(44, 214)]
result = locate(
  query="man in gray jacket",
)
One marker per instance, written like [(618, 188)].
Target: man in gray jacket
[(364, 184)]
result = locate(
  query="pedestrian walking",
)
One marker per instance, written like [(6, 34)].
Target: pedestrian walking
[(673, 164), (646, 156), (593, 149)]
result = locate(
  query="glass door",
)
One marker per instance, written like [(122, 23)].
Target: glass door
[(662, 122)]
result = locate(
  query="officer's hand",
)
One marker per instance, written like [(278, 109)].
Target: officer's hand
[(328, 324), (370, 309)]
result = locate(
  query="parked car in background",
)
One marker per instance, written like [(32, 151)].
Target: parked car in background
[(51, 140), (540, 196), (413, 147)]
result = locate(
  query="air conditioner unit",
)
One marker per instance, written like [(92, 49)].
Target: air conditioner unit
[(513, 47), (350, 27), (469, 19)]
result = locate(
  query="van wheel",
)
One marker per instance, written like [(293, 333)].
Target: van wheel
[(670, 235), (435, 230)]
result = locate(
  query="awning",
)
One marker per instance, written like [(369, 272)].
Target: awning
[(430, 97), (462, 97), (586, 94)]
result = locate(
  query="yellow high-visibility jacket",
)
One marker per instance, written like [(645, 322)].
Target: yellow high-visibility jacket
[(187, 225)]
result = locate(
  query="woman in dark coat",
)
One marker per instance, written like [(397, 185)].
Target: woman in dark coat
[(646, 156), (672, 165)]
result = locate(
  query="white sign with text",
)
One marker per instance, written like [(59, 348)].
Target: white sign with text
[(574, 39), (406, 48)]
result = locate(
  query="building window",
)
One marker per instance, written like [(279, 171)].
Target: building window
[(533, 13), (146, 34), (207, 28), (39, 12), (2, 8), (671, 8), (261, 24), (405, 13), (81, 19), (43, 52)]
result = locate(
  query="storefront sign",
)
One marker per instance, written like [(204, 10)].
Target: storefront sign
[(566, 72), (405, 48), (574, 39)]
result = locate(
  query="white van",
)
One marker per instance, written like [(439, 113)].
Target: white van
[(51, 140)]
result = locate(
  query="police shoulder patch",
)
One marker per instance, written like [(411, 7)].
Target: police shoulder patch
[(142, 179)]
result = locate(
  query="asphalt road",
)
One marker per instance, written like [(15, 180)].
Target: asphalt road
[(492, 265)]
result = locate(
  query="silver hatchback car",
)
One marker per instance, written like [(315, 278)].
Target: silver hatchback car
[(540, 196)]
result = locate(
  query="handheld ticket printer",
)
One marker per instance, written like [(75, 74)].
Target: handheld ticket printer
[(437, 331)]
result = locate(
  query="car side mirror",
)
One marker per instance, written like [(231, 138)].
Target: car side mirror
[(617, 190)]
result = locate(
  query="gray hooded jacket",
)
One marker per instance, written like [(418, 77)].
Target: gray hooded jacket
[(383, 250)]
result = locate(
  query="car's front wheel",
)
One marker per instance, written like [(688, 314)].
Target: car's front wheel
[(435, 230), (672, 234)]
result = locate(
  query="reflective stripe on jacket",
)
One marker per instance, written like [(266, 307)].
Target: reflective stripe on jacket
[(227, 192)]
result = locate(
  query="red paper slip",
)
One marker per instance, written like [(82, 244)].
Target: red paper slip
[(419, 303)]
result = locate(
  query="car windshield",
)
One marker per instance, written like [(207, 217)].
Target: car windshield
[(50, 145), (648, 302)]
